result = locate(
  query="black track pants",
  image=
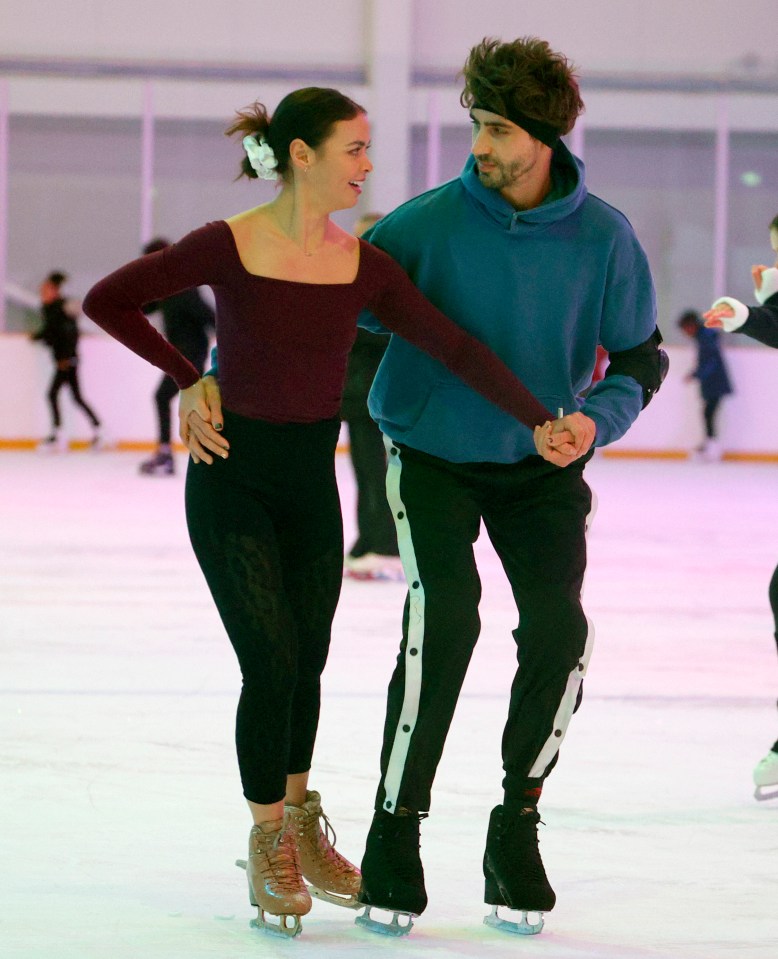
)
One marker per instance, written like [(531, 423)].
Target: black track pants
[(535, 515)]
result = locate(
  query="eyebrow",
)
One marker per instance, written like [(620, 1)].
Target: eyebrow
[(490, 123), (359, 143)]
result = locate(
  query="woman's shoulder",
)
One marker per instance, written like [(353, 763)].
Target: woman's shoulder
[(378, 262), (208, 246), (208, 236)]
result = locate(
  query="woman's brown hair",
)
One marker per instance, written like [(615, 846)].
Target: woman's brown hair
[(308, 114)]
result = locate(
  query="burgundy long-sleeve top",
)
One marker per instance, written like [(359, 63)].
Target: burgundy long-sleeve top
[(283, 345)]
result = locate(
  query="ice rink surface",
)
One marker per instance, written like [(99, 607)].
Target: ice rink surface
[(120, 803)]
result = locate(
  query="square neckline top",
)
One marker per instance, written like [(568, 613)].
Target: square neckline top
[(279, 279)]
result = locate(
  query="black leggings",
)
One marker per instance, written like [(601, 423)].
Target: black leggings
[(266, 528), (69, 376)]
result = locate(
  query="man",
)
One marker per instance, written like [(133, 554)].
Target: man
[(60, 333), (187, 322), (518, 253)]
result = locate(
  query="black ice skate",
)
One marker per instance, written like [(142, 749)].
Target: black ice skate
[(392, 874), (514, 871), (160, 464)]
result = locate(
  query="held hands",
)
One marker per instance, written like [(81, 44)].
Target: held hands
[(714, 318), (200, 419), (565, 440)]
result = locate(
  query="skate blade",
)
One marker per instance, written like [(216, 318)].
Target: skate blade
[(394, 928), (287, 927), (761, 796), (348, 902), (522, 928), (376, 576)]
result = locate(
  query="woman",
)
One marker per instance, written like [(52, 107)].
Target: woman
[(265, 521)]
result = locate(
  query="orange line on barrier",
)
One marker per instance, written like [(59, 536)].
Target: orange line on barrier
[(142, 446)]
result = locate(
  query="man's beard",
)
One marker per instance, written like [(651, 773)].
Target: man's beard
[(503, 175)]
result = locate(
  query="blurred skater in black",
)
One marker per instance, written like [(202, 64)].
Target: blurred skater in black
[(187, 323), (60, 333), (374, 554)]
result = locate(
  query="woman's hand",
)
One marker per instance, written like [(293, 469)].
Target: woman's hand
[(200, 420), (565, 440)]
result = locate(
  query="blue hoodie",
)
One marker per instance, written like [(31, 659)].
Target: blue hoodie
[(541, 287)]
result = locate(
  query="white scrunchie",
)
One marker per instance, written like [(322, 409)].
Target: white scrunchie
[(769, 285), (261, 157)]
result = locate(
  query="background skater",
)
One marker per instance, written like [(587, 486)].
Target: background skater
[(374, 553), (60, 332), (187, 323), (760, 323), (711, 373)]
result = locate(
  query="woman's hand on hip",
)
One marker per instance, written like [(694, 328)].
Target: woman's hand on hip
[(200, 420)]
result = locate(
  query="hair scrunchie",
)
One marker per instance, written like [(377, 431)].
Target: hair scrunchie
[(261, 157)]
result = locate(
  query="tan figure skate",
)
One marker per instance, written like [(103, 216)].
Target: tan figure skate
[(331, 876), (276, 884)]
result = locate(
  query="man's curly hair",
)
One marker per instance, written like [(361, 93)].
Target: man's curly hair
[(526, 76)]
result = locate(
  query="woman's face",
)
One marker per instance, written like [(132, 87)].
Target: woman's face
[(341, 164)]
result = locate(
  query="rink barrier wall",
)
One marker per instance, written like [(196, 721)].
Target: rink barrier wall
[(120, 386)]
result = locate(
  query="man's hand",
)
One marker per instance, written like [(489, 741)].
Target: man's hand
[(565, 440), (200, 420)]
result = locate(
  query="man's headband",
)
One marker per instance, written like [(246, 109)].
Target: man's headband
[(536, 128)]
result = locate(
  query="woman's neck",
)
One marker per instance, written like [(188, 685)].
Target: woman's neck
[(299, 220)]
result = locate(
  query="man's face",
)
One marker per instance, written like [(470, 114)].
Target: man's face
[(774, 244), (506, 154)]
